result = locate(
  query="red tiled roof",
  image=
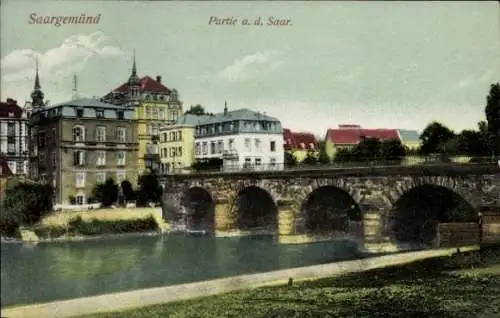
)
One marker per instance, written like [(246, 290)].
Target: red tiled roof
[(4, 168), (147, 85), (10, 106), (302, 140), (353, 136)]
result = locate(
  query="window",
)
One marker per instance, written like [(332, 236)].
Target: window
[(54, 159), (79, 112), (79, 158), (161, 114), (100, 134), (258, 161), (220, 146), (272, 146), (41, 139), (100, 177), (119, 114), (179, 135), (99, 113), (78, 133), (101, 158), (11, 148), (257, 145), (248, 163), (54, 136), (41, 157), (120, 176), (80, 199), (248, 146), (155, 113), (205, 147), (80, 179), (121, 134), (212, 147), (11, 114), (175, 115), (120, 158), (148, 113), (197, 148), (179, 151), (231, 144), (154, 130), (272, 162), (11, 129)]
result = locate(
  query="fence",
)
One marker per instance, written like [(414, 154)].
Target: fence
[(409, 161)]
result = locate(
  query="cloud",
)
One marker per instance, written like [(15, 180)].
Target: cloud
[(59, 63), (250, 66)]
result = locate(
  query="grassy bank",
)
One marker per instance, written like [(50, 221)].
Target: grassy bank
[(463, 285), (79, 227)]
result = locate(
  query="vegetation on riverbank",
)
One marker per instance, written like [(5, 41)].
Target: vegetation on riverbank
[(78, 227), (463, 285)]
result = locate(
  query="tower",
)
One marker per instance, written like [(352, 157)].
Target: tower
[(134, 84), (75, 87), (225, 107), (37, 95)]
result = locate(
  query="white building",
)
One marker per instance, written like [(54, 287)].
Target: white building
[(14, 136), (243, 139)]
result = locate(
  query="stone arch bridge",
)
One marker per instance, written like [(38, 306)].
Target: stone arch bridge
[(376, 204)]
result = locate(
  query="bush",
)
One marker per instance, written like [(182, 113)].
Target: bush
[(97, 227), (52, 231)]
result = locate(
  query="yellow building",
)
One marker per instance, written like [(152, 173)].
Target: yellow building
[(177, 144), (299, 144), (156, 106)]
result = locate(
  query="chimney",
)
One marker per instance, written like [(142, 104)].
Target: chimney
[(158, 78)]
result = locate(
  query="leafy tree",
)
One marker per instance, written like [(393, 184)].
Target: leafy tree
[(290, 159), (392, 150), (472, 143), (343, 155), (150, 189), (323, 156), (196, 110), (492, 111), (434, 138), (106, 193), (127, 190), (311, 158), (368, 149), (210, 164)]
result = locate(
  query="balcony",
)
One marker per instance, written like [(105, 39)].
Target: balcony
[(230, 154)]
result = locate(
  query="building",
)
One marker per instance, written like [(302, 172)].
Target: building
[(348, 136), (13, 136), (300, 143), (409, 138), (243, 139), (78, 144), (5, 174), (155, 106), (177, 143)]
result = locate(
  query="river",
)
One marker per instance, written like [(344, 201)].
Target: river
[(63, 270)]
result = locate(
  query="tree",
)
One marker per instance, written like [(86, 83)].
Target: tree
[(392, 150), (343, 155), (472, 143), (434, 138), (492, 111), (311, 158), (290, 159), (106, 193), (368, 149), (150, 189), (127, 190), (323, 156), (196, 110)]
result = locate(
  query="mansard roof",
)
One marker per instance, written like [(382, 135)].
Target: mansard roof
[(237, 115), (147, 84), (10, 106), (87, 102)]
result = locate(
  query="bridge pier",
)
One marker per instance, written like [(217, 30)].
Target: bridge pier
[(286, 218), (225, 219)]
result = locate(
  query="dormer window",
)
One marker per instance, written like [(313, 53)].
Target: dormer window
[(311, 145), (119, 114), (302, 145), (11, 114), (99, 113), (79, 112)]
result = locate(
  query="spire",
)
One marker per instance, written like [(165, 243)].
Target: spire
[(134, 68), (225, 107), (37, 95), (37, 78), (75, 87), (134, 79)]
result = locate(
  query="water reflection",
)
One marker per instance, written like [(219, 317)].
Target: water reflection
[(53, 271)]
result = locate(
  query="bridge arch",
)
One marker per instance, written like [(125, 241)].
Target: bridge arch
[(255, 209), (415, 215), (327, 209), (197, 209)]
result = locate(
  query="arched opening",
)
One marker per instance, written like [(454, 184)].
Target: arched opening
[(198, 210), (416, 215), (256, 210), (329, 209)]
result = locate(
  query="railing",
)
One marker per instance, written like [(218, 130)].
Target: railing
[(405, 162)]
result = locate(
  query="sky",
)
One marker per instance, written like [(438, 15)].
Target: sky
[(376, 64)]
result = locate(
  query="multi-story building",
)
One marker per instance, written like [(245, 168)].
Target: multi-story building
[(79, 144), (177, 143), (300, 143), (13, 136), (155, 106), (242, 139)]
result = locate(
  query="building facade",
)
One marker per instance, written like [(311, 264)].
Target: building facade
[(299, 144), (78, 144), (177, 144), (14, 136), (154, 106), (243, 139)]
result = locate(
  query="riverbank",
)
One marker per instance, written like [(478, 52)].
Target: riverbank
[(137, 298), (462, 285)]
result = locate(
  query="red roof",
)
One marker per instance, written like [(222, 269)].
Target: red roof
[(353, 136), (4, 168), (299, 140), (10, 107), (147, 85)]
